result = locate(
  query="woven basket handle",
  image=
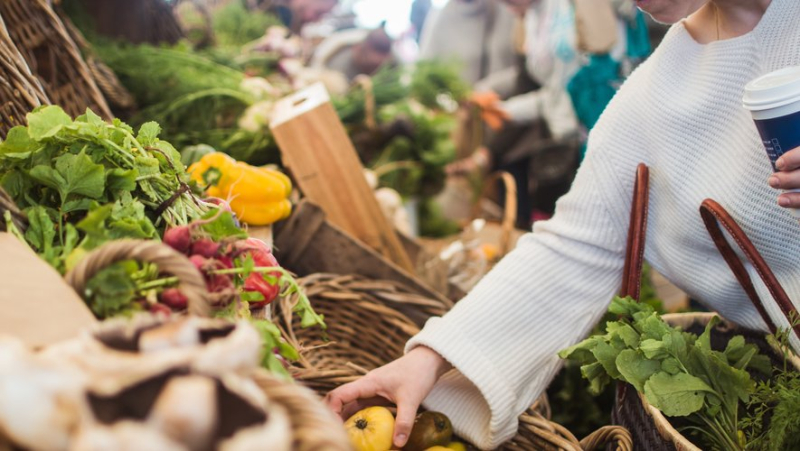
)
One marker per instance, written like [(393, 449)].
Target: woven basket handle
[(190, 281), (617, 436), (509, 208), (637, 235), (714, 215), (365, 82)]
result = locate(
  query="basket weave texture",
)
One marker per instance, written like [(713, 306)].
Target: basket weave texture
[(53, 57), (367, 328), (20, 91)]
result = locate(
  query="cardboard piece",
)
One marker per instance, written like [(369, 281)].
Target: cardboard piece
[(37, 306), (317, 150)]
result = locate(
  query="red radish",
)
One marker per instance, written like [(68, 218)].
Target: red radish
[(160, 310), (256, 283), (205, 247), (199, 262), (174, 299), (218, 283), (178, 238)]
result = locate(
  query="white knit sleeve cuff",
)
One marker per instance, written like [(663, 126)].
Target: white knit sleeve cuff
[(462, 393)]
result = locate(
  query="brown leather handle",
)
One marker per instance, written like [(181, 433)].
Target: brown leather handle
[(713, 215), (637, 235)]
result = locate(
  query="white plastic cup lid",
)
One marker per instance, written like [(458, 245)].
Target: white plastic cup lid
[(773, 90)]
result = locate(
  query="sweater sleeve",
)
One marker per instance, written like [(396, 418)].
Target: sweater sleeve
[(502, 338)]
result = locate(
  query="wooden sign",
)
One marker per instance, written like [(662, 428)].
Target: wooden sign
[(326, 167)]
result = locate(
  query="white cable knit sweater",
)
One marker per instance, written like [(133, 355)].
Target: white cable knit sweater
[(681, 114)]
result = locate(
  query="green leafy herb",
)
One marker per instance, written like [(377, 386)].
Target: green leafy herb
[(86, 181), (678, 372)]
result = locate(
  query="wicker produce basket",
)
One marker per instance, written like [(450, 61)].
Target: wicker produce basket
[(168, 261), (20, 91), (313, 424), (649, 427), (52, 56), (365, 331), (116, 94)]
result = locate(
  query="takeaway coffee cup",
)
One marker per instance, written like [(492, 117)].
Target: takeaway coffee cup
[(774, 101)]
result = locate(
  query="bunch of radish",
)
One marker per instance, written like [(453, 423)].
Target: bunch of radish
[(233, 268)]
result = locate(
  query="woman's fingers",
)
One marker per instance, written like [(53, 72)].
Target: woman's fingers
[(363, 388), (789, 200), (404, 422), (789, 161)]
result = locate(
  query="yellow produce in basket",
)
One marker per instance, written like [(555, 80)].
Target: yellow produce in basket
[(371, 429), (258, 196)]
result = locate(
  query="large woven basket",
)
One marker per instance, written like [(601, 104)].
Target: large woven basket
[(52, 56), (649, 427), (116, 94), (366, 330), (20, 91), (314, 426)]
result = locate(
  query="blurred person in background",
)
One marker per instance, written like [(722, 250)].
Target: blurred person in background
[(540, 143), (420, 10), (354, 52), (296, 13), (478, 34)]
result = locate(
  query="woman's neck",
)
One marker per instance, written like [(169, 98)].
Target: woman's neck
[(718, 20)]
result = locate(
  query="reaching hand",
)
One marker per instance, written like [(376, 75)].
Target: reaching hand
[(405, 382)]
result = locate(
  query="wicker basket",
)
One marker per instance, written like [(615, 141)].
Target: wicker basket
[(20, 91), (52, 56), (366, 330), (650, 428), (103, 76), (168, 261), (314, 425)]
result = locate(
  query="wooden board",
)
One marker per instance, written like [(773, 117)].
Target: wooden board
[(326, 167), (307, 243), (38, 306)]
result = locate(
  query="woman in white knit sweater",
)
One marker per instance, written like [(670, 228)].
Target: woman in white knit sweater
[(680, 113)]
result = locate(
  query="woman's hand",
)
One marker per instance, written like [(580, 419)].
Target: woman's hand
[(405, 382), (788, 178)]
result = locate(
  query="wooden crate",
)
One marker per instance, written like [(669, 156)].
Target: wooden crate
[(308, 243)]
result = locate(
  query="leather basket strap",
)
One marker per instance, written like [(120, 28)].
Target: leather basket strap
[(637, 234), (715, 217)]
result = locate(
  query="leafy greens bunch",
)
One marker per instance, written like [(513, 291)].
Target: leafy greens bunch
[(84, 182), (678, 372)]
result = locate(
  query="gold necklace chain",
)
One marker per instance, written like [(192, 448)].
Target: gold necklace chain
[(716, 18)]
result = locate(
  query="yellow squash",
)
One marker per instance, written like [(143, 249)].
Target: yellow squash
[(258, 196), (371, 429)]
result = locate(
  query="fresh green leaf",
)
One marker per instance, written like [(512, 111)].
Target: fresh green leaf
[(148, 133), (17, 142), (73, 174), (635, 369), (47, 121), (111, 292), (119, 179), (676, 395), (41, 232), (606, 355), (223, 226), (653, 349)]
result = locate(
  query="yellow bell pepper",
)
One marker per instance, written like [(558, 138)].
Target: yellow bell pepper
[(258, 196)]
